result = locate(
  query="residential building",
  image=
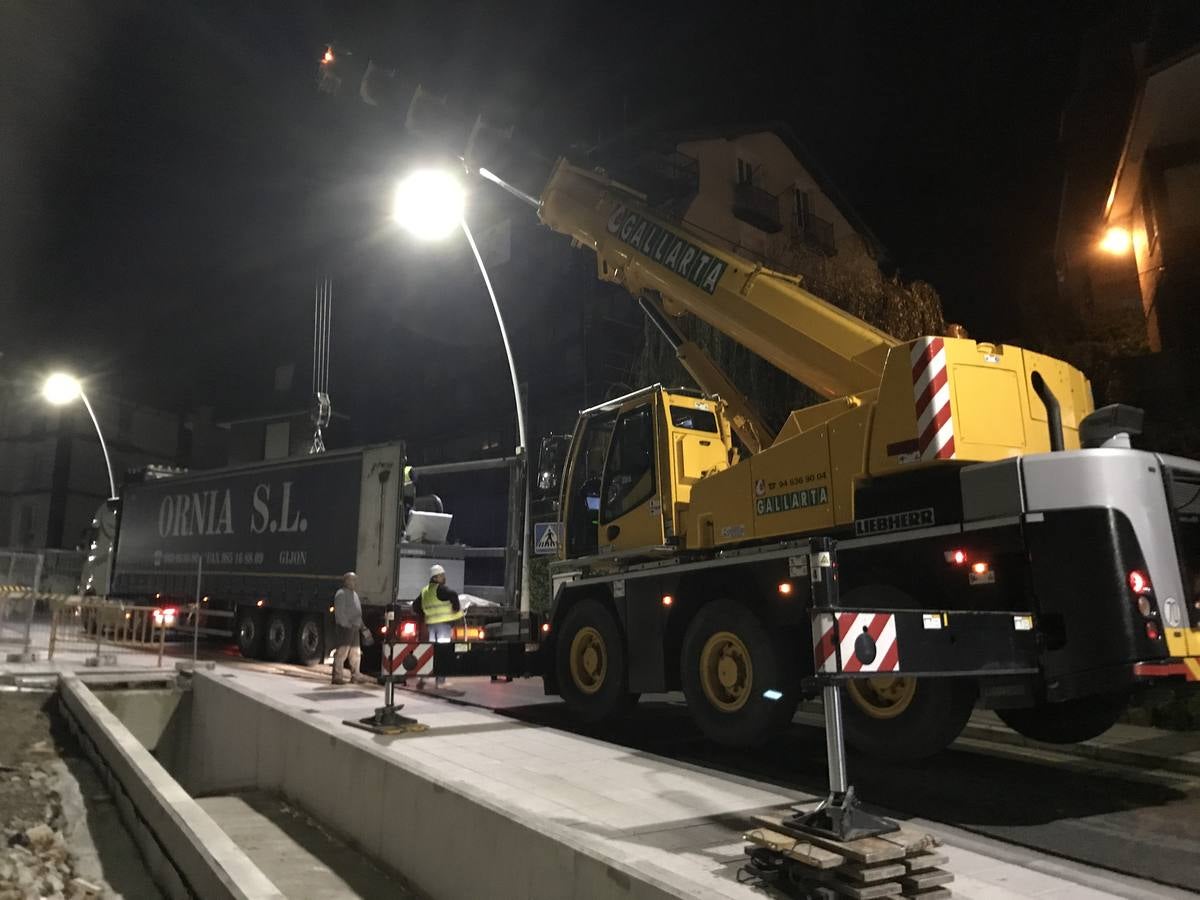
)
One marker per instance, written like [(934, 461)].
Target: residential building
[(757, 191), (1129, 217), (1152, 214), (275, 421), (52, 472)]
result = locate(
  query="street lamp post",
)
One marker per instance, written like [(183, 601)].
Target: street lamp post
[(61, 389), (429, 204)]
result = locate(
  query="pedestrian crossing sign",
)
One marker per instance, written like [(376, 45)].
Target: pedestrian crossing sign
[(547, 537)]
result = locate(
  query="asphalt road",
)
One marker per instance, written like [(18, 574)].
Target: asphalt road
[(1145, 824)]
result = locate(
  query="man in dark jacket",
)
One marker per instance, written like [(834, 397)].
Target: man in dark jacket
[(439, 607)]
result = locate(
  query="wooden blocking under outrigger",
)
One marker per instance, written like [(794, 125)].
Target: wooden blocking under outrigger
[(897, 864)]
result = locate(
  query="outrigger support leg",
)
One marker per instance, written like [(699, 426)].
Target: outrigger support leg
[(839, 816)]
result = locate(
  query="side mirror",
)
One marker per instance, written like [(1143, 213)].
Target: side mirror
[(552, 457)]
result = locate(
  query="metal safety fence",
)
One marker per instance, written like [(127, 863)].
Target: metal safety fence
[(94, 623)]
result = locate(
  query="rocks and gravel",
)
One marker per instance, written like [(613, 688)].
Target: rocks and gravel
[(36, 860)]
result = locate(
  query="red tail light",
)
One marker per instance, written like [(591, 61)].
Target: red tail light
[(1152, 631), (1139, 582), (408, 629)]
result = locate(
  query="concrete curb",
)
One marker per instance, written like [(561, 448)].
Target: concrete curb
[(399, 810), (185, 850)]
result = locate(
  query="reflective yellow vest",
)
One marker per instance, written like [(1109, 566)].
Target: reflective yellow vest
[(436, 611)]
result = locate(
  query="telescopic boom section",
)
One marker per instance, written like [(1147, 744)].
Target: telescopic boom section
[(818, 344)]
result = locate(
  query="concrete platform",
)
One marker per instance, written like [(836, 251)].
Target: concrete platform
[(296, 854), (530, 811)]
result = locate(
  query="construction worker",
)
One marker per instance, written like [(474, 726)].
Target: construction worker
[(439, 607), (348, 622)]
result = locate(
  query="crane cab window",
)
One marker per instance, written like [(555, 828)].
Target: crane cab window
[(629, 469), (583, 499), (695, 419)]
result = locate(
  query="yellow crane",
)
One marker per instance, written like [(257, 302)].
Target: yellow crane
[(979, 500)]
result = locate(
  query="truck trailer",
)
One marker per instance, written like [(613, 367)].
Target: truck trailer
[(269, 542)]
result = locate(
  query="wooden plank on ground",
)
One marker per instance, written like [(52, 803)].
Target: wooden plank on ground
[(925, 861), (933, 893), (863, 891), (872, 874), (801, 851), (863, 850), (911, 840), (921, 880)]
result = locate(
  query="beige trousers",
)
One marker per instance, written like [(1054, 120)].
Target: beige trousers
[(339, 660)]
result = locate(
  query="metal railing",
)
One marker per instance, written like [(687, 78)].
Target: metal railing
[(93, 622), (60, 568), (756, 206)]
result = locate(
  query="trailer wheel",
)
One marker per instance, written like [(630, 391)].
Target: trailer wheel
[(590, 664), (310, 641), (279, 636), (740, 680), (1069, 722), (249, 630), (905, 718)]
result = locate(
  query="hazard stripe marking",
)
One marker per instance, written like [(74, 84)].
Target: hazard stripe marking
[(931, 399)]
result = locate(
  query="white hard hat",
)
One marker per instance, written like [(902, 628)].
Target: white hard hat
[(435, 569)]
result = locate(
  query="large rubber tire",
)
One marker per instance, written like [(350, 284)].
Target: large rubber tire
[(248, 631), (1069, 722), (310, 641), (905, 718), (280, 636), (729, 663), (590, 663)]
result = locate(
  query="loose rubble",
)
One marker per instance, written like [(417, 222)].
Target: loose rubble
[(34, 859)]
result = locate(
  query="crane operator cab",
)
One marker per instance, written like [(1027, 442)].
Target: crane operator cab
[(631, 465)]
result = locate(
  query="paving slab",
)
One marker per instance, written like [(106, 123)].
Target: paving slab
[(678, 826)]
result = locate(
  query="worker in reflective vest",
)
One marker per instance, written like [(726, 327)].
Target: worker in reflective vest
[(440, 608)]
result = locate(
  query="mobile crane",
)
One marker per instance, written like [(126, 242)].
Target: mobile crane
[(1017, 550)]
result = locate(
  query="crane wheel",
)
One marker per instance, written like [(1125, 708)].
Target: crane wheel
[(1069, 722), (739, 679), (590, 664), (905, 718)]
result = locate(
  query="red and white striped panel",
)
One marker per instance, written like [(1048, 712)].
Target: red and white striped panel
[(835, 641), (421, 656), (931, 394), (824, 643)]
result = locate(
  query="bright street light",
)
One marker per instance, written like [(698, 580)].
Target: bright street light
[(61, 389), (1116, 241), (429, 204)]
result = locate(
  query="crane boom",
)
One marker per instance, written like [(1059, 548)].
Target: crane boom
[(832, 351)]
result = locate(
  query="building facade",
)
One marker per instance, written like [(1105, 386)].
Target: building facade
[(52, 472)]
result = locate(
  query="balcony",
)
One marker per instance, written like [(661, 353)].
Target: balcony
[(816, 233), (665, 178), (757, 207)]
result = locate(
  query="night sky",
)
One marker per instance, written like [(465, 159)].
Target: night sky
[(172, 181)]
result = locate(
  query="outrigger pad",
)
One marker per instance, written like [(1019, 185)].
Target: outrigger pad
[(840, 818), (387, 721)]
